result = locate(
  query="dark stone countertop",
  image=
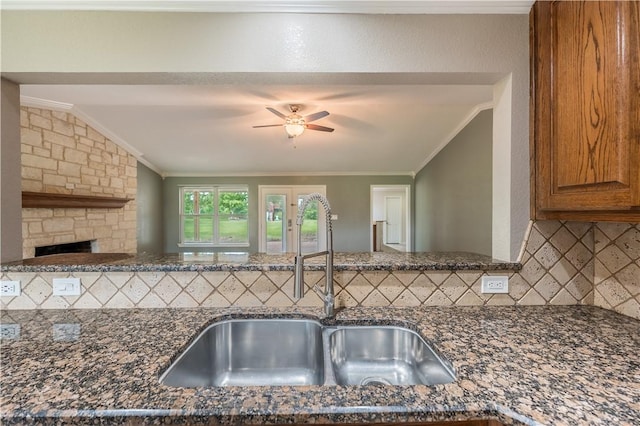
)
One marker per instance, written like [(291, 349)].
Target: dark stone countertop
[(239, 261), (549, 365)]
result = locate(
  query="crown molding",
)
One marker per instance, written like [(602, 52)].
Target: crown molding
[(466, 120), (275, 174), (31, 102), (284, 6)]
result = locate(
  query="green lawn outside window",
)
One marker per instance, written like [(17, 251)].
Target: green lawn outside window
[(202, 208), (236, 230)]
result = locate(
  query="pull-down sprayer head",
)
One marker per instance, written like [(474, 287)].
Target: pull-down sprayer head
[(298, 285)]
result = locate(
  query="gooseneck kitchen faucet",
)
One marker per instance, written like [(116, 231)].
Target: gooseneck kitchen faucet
[(298, 283)]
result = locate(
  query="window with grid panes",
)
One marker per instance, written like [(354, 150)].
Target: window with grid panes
[(214, 216)]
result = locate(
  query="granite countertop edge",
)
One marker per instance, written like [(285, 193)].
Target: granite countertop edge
[(334, 415), (230, 262)]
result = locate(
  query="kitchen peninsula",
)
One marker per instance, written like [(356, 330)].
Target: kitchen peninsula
[(117, 280)]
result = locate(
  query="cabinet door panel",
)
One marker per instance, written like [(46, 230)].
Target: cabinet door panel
[(592, 81), (586, 81)]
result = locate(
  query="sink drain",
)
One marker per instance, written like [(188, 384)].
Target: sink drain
[(375, 381)]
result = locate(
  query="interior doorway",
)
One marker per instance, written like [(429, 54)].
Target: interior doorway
[(278, 214), (391, 218)]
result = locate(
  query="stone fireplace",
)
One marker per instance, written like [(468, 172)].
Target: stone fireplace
[(63, 155)]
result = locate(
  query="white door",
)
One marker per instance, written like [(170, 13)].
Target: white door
[(393, 217), (379, 214), (278, 213)]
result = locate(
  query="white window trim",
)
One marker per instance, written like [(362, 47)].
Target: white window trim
[(215, 189)]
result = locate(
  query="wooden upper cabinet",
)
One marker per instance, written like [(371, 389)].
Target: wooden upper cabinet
[(585, 110)]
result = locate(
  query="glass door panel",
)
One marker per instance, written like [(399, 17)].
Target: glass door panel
[(310, 243), (279, 209), (276, 225)]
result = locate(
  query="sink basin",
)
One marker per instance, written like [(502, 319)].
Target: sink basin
[(252, 352), (299, 352), (385, 355)]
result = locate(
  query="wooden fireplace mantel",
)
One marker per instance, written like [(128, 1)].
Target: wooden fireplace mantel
[(69, 201)]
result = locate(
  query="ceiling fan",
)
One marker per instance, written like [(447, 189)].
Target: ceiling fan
[(295, 124)]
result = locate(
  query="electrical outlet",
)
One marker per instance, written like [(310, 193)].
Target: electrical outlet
[(495, 284), (66, 332), (10, 288), (10, 331), (66, 286)]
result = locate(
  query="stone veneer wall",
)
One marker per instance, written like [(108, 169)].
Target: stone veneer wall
[(62, 154)]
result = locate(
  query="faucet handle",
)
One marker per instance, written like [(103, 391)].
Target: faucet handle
[(320, 292)]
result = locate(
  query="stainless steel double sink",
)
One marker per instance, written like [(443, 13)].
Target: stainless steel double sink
[(301, 352)]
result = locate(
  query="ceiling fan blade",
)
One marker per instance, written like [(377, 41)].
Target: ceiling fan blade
[(315, 116), (321, 128), (268, 125), (278, 113)]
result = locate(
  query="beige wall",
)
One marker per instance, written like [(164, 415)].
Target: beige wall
[(62, 154)]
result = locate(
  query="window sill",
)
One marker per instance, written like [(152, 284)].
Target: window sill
[(205, 245)]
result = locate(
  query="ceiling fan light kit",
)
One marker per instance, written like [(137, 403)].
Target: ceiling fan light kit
[(295, 124)]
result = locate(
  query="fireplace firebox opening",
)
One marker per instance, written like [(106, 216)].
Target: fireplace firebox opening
[(76, 247)]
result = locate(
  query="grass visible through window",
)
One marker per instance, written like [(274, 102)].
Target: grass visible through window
[(309, 230), (232, 231)]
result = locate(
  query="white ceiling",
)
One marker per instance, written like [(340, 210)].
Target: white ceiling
[(183, 130)]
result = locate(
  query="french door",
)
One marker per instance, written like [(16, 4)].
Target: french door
[(278, 213)]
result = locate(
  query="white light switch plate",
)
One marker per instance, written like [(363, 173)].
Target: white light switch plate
[(66, 286)]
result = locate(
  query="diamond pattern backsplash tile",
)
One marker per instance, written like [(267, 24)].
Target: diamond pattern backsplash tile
[(617, 267), (556, 256), (563, 263)]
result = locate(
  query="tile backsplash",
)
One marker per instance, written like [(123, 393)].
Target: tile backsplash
[(559, 262), (563, 263), (617, 267)]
